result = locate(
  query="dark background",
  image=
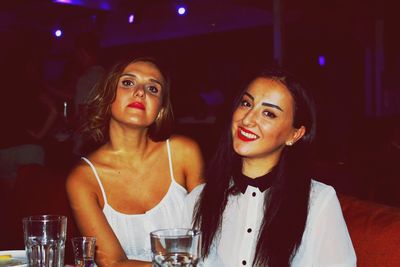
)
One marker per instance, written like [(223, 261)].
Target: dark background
[(216, 45)]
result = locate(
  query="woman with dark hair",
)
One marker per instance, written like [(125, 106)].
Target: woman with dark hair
[(260, 206), (138, 179)]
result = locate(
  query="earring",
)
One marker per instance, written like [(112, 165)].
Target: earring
[(289, 143)]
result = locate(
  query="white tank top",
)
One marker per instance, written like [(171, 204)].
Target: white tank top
[(133, 230)]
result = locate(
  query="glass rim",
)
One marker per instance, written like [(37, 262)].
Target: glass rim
[(84, 238), (44, 218), (169, 232)]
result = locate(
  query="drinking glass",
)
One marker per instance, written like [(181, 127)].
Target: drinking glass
[(44, 237), (178, 247), (84, 248)]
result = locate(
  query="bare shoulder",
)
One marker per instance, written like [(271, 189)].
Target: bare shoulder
[(188, 161), (80, 178), (184, 144)]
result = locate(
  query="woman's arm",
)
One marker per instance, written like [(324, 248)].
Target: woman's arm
[(81, 188), (190, 161)]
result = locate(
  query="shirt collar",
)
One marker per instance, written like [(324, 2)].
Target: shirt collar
[(262, 182)]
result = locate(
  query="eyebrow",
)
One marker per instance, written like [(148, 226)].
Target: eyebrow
[(134, 76), (264, 103)]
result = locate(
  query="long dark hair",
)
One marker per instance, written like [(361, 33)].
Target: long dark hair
[(286, 203)]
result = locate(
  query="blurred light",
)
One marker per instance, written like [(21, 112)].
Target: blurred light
[(181, 10), (58, 33), (63, 1), (94, 18), (131, 18), (105, 5), (321, 60), (98, 4)]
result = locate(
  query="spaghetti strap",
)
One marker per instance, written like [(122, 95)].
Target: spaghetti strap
[(97, 177), (171, 171)]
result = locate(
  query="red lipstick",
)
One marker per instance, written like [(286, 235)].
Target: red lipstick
[(137, 105), (250, 136)]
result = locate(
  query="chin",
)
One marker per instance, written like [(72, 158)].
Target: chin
[(241, 151)]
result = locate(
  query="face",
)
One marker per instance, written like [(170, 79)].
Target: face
[(262, 124), (139, 95)]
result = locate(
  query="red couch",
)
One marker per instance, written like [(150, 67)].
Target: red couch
[(38, 190), (374, 230)]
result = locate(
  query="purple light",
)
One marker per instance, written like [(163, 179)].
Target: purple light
[(63, 1), (94, 4), (105, 5), (181, 10), (321, 60), (131, 18), (58, 33)]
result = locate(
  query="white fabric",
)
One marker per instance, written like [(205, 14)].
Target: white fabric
[(326, 241), (133, 230)]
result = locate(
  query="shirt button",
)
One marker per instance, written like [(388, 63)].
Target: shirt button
[(244, 262), (249, 230), (254, 194)]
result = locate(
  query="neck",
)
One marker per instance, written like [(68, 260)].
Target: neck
[(132, 142), (256, 167)]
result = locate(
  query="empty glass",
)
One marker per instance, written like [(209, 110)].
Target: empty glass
[(175, 247), (84, 248), (44, 237)]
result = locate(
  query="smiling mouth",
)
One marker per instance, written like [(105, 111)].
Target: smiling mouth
[(137, 105), (246, 135)]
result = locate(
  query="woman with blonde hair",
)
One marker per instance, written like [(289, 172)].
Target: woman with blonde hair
[(138, 178)]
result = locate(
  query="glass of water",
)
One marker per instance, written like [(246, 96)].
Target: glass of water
[(84, 249), (44, 237), (176, 247)]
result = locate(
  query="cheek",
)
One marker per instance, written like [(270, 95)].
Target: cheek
[(119, 97), (120, 101), (271, 132), (236, 115), (234, 125), (280, 134), (155, 103), (116, 104), (236, 118)]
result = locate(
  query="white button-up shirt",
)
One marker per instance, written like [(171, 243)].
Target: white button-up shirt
[(326, 241)]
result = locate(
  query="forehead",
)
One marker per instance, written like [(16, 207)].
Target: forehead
[(144, 68), (268, 90)]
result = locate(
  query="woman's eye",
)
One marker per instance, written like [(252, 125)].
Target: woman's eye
[(152, 89), (245, 103), (127, 83), (269, 114)]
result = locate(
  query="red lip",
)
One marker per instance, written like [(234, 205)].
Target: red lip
[(245, 138), (137, 105)]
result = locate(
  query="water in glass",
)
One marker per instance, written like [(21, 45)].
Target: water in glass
[(45, 252), (175, 260)]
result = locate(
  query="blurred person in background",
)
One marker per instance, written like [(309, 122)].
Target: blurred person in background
[(27, 111)]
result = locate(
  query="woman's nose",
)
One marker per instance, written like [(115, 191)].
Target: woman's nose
[(249, 118), (138, 91)]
